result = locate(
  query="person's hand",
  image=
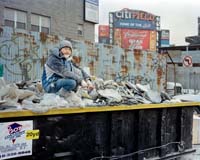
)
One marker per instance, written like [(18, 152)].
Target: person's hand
[(90, 85), (84, 84)]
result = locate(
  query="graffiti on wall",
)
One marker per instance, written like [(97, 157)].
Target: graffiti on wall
[(23, 56)]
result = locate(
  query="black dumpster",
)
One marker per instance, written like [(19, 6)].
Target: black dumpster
[(138, 132)]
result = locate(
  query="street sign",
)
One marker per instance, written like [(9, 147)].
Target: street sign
[(187, 61)]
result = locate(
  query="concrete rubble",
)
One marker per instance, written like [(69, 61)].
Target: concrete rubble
[(30, 95)]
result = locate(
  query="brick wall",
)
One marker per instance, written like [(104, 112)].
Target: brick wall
[(65, 15)]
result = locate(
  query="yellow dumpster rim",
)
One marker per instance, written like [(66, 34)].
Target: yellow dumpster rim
[(60, 111)]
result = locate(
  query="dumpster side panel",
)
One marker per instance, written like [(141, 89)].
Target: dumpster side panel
[(98, 132), (131, 135), (186, 127), (170, 134), (148, 133), (124, 133)]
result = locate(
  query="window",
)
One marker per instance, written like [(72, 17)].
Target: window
[(80, 30), (40, 23), (14, 18)]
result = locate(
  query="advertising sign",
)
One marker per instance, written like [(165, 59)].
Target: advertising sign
[(152, 41), (137, 24), (103, 31), (127, 18), (135, 39), (13, 141), (164, 43), (164, 38), (134, 14), (164, 34), (92, 11), (118, 36)]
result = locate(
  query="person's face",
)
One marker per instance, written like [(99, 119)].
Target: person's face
[(66, 51)]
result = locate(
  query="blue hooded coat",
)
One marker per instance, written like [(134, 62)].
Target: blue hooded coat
[(57, 67)]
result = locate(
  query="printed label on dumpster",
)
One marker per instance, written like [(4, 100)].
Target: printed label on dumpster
[(13, 142), (32, 134)]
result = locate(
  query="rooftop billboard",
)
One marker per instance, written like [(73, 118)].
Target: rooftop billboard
[(134, 29), (91, 11), (103, 31), (127, 18), (164, 38)]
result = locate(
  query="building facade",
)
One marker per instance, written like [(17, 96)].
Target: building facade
[(57, 17)]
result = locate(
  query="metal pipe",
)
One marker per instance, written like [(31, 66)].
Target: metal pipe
[(174, 70)]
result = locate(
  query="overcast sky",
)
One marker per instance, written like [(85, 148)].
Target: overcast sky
[(179, 16)]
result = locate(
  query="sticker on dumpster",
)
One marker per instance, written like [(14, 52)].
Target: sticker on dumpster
[(187, 61), (32, 134), (13, 141)]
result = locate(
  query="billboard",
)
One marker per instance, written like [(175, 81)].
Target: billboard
[(134, 29), (135, 19), (164, 38), (92, 11), (152, 40), (104, 34), (103, 31), (135, 39), (137, 24)]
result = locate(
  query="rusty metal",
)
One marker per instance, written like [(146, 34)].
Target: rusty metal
[(43, 37), (24, 54)]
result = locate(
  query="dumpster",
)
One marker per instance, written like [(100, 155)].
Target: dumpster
[(136, 132)]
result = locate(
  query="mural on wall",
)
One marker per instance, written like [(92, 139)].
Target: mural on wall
[(23, 56)]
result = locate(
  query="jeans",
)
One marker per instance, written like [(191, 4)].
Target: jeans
[(67, 84)]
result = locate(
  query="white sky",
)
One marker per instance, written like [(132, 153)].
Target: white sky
[(179, 16)]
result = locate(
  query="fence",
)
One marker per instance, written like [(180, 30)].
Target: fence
[(24, 53)]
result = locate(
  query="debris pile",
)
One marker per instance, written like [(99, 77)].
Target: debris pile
[(30, 95)]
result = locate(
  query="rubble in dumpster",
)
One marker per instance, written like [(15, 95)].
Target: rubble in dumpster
[(29, 95)]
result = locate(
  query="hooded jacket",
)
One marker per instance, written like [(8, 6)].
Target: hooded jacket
[(57, 67)]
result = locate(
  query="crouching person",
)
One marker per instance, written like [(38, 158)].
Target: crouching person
[(61, 73)]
